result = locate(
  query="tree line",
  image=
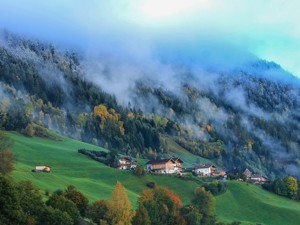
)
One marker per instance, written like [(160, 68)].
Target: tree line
[(288, 187), (22, 203)]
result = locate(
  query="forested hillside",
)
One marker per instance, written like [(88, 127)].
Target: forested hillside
[(238, 118)]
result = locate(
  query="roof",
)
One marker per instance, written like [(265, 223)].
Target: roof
[(203, 166), (258, 176), (175, 159), (125, 158), (163, 161), (159, 161)]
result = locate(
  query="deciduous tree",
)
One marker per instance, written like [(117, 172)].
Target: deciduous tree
[(6, 156), (121, 206), (292, 186), (80, 200)]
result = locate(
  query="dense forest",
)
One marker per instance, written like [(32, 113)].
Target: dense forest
[(240, 118)]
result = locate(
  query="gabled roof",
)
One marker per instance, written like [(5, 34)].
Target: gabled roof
[(163, 161), (177, 159), (159, 161), (203, 166)]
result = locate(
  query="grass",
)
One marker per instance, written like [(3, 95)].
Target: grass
[(253, 205), (69, 167), (178, 151), (242, 202)]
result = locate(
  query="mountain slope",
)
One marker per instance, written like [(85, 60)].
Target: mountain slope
[(94, 179), (243, 117), (242, 202), (253, 205)]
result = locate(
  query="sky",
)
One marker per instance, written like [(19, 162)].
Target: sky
[(268, 29)]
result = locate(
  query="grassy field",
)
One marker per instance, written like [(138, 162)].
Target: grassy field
[(176, 150), (253, 205), (69, 167), (247, 203)]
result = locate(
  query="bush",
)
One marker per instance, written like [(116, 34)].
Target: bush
[(139, 171), (216, 188), (151, 184)]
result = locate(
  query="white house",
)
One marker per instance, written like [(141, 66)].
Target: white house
[(205, 169), (126, 163)]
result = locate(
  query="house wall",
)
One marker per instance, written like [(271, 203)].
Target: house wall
[(156, 166), (204, 171), (169, 166)]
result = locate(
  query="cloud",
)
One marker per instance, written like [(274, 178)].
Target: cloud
[(268, 29)]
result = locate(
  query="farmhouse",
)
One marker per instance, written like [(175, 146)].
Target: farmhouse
[(205, 170), (42, 169), (126, 163), (170, 165)]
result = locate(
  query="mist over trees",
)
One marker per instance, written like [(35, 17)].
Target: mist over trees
[(237, 118)]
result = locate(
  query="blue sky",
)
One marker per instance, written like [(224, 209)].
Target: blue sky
[(268, 29)]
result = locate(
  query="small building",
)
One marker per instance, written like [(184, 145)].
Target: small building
[(169, 165), (126, 163), (205, 170), (219, 173), (42, 169)]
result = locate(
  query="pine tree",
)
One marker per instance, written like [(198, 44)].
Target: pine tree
[(121, 206)]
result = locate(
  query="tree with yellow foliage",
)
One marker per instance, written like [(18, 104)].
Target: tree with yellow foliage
[(122, 212), (292, 186)]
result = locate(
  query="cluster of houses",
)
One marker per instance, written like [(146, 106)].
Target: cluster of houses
[(248, 175), (171, 166), (174, 166)]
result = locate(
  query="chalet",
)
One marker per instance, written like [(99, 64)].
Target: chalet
[(258, 178), (170, 165), (126, 163), (42, 169), (205, 170)]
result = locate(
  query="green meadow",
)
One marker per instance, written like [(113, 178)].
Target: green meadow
[(242, 202), (94, 179), (251, 204)]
